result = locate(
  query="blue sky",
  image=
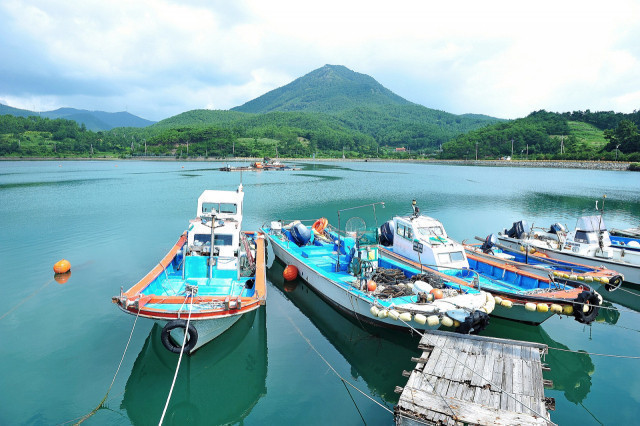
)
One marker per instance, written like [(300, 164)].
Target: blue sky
[(158, 58)]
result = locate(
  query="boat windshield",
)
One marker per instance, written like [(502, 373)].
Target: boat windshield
[(228, 208), (219, 239), (431, 230)]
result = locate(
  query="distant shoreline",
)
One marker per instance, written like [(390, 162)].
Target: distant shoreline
[(565, 164)]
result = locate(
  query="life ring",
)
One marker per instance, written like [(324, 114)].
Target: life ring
[(614, 283), (320, 225), (474, 323), (589, 299), (171, 345)]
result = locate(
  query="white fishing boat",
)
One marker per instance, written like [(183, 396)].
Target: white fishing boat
[(520, 295), (212, 276), (351, 277), (589, 243)]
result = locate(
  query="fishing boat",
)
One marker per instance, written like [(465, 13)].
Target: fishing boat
[(422, 242), (214, 274), (350, 277), (588, 243), (597, 277)]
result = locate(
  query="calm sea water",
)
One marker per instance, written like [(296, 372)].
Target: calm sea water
[(61, 343)]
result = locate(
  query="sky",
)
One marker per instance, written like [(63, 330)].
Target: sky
[(159, 58)]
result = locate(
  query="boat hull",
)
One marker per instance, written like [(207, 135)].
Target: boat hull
[(631, 272), (207, 329), (337, 296), (517, 312)]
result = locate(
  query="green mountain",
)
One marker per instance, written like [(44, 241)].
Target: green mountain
[(335, 107), (329, 89), (92, 120)]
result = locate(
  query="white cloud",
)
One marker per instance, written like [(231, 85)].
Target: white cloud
[(162, 57)]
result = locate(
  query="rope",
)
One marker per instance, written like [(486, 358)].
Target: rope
[(593, 353), (479, 375), (354, 402), (184, 342), (26, 298), (345, 381), (628, 291), (100, 405)]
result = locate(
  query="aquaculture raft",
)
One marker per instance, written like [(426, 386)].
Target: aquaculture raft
[(445, 389)]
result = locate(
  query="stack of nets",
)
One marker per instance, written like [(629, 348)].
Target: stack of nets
[(393, 283)]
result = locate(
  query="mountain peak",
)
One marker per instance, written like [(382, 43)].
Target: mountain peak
[(330, 89)]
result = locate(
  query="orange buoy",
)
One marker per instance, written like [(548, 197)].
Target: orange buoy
[(437, 293), (320, 224), (62, 278), (61, 266), (290, 273), (371, 285)]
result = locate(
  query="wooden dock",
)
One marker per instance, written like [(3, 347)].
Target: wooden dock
[(467, 379)]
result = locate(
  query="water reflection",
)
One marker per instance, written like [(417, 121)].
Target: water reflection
[(376, 355), (570, 371), (219, 384)]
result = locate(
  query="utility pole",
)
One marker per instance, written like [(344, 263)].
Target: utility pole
[(234, 148), (512, 148), (145, 147), (476, 151), (562, 144), (616, 153), (527, 151)]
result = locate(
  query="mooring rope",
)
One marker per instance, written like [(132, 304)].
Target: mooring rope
[(593, 353), (345, 381), (184, 342), (100, 405)]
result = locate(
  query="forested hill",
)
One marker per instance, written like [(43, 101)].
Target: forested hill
[(581, 135), (329, 89), (334, 107)]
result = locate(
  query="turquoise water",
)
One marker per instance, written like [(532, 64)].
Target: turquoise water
[(115, 220)]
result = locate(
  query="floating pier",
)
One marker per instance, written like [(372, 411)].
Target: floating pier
[(467, 379)]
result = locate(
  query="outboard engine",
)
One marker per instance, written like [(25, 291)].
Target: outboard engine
[(557, 228), (489, 244), (300, 234), (386, 233), (518, 230)]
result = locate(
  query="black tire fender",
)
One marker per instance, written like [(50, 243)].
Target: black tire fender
[(590, 299), (474, 323), (614, 283), (170, 344)]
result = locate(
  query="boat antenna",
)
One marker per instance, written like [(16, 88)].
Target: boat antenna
[(600, 238)]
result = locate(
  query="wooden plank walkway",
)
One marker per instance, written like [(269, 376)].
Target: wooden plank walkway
[(467, 379)]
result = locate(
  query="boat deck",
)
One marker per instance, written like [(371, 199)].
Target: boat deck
[(223, 282), (459, 378)]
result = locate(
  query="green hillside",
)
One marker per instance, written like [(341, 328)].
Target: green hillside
[(329, 89), (548, 135)]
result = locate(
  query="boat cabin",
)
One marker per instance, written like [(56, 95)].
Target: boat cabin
[(423, 239), (219, 214)]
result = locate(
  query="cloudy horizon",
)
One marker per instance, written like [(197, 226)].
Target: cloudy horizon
[(159, 58)]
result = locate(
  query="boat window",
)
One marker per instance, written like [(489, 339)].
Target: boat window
[(581, 237), (404, 231), (431, 230), (227, 208), (457, 256)]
